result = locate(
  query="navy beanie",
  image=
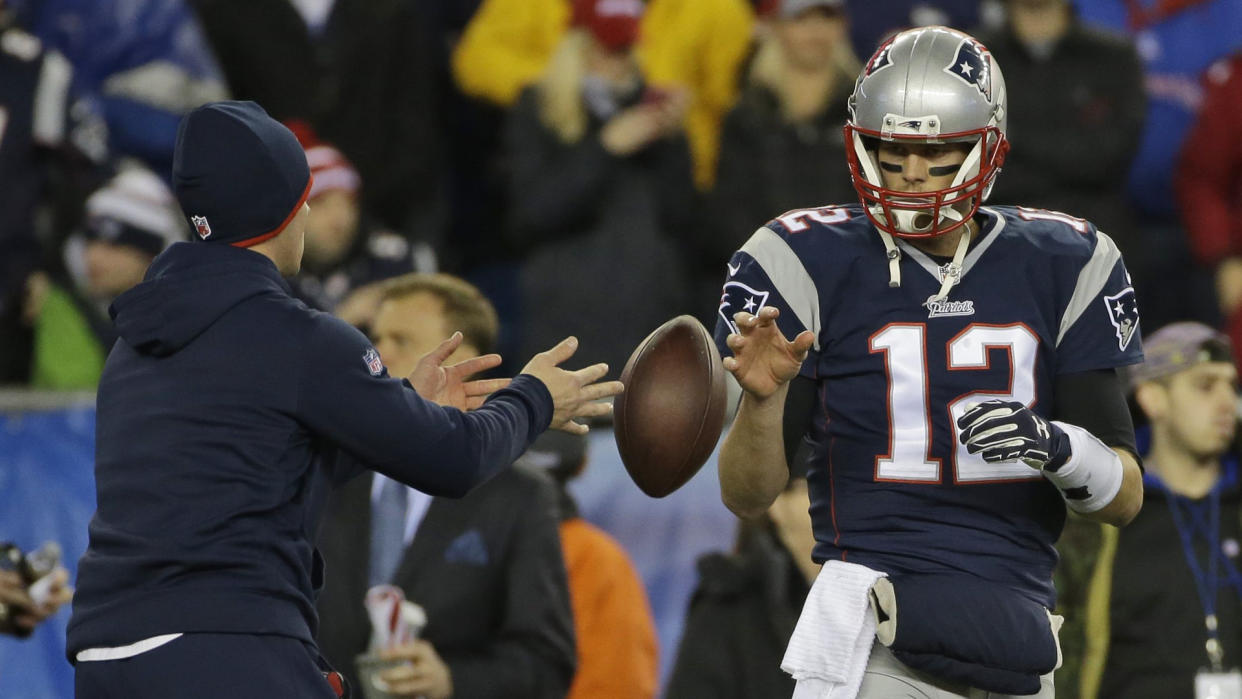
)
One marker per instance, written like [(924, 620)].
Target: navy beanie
[(239, 175)]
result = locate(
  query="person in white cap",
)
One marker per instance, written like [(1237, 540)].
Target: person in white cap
[(129, 221)]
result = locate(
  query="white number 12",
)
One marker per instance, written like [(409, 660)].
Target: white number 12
[(904, 346)]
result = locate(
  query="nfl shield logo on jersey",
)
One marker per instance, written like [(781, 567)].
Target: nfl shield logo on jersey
[(1123, 312), (201, 225), (739, 297), (372, 359)]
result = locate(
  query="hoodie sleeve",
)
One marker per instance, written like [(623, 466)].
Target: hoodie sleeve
[(346, 396)]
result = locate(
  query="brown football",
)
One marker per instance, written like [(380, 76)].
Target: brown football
[(668, 420)]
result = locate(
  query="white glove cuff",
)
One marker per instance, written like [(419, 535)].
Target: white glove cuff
[(1092, 465)]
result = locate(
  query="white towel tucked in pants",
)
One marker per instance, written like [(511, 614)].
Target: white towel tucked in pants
[(831, 644)]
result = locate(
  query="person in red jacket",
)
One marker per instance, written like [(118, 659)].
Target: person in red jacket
[(1209, 188)]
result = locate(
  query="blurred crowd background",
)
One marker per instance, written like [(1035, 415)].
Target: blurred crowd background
[(589, 165)]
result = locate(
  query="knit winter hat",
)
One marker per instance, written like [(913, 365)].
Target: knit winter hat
[(613, 23), (328, 165), (135, 209), (239, 175)]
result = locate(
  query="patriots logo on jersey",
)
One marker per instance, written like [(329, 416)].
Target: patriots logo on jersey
[(373, 362), (201, 225), (1123, 313), (972, 66), (739, 297), (941, 308)]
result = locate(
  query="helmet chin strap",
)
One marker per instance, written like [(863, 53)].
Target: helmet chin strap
[(894, 259), (914, 221), (953, 274)]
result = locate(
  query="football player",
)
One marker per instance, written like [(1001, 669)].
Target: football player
[(953, 368)]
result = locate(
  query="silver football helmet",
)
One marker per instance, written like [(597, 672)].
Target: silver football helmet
[(927, 85)]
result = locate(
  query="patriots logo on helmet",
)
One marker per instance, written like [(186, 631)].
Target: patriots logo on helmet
[(971, 64), (880, 59), (201, 225), (1123, 313), (373, 362), (739, 297)]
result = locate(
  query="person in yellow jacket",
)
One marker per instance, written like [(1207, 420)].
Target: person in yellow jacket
[(695, 44)]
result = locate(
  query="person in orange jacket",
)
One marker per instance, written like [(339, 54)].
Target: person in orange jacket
[(618, 654)]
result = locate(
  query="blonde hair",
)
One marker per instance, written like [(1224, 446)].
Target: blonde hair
[(465, 307), (560, 89), (769, 69)]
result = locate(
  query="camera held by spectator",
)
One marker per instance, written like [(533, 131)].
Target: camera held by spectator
[(32, 587)]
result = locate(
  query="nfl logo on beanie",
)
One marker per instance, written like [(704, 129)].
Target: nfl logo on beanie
[(241, 170), (200, 225)]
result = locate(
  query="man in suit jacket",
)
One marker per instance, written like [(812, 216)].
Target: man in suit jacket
[(487, 569)]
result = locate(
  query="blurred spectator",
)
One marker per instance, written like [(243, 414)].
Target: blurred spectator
[(345, 254), (782, 145), (872, 22), (32, 587), (1166, 598), (747, 604), (1075, 113), (53, 145), (487, 568), (616, 637), (128, 222), (599, 186), (1209, 188), (1177, 41), (361, 72), (696, 45), (146, 61)]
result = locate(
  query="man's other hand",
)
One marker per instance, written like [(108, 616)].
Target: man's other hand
[(424, 674), (575, 394)]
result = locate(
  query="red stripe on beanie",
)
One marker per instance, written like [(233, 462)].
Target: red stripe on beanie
[(248, 242)]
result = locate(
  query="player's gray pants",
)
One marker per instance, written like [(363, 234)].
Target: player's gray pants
[(888, 678)]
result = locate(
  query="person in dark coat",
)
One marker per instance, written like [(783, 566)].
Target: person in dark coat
[(1076, 106), (347, 255), (600, 191), (747, 604), (362, 73), (226, 412), (486, 569), (782, 147)]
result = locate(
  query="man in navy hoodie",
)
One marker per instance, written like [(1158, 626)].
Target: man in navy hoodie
[(227, 410)]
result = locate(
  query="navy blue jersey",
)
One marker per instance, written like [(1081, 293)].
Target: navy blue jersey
[(1041, 294)]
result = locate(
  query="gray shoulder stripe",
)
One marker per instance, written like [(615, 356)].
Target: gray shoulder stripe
[(788, 275), (1091, 281)]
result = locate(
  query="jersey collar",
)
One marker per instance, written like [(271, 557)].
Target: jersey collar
[(993, 223)]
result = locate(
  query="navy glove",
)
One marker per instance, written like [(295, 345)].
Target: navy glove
[(1001, 430)]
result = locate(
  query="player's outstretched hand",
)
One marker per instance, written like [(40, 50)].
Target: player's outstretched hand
[(763, 360), (450, 385), (575, 394)]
